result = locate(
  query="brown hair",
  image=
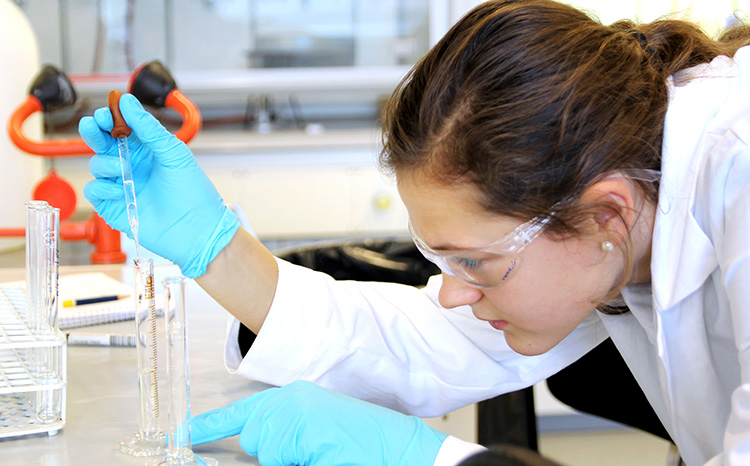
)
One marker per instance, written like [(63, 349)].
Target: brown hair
[(532, 101)]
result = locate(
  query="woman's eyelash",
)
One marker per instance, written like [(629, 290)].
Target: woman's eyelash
[(471, 264)]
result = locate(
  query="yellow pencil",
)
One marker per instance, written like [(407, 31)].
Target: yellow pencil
[(100, 299)]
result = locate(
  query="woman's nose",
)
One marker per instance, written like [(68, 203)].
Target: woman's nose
[(455, 292)]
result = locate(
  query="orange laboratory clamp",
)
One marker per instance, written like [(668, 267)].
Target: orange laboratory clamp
[(51, 90)]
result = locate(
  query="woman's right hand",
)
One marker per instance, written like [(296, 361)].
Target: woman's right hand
[(181, 215), (302, 423)]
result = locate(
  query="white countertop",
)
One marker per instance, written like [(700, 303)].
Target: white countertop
[(102, 390)]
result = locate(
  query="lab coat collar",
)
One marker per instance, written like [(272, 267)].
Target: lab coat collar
[(682, 255)]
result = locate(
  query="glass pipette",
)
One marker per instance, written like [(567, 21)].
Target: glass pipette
[(120, 132), (127, 184)]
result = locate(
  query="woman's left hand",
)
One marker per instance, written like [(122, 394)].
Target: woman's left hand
[(302, 423)]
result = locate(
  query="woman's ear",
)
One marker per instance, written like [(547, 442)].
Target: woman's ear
[(613, 205)]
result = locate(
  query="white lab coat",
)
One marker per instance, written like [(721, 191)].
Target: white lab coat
[(687, 345)]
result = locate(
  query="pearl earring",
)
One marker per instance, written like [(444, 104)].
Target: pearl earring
[(607, 246)]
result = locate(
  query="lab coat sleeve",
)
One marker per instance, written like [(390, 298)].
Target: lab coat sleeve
[(734, 260), (454, 451), (390, 344)]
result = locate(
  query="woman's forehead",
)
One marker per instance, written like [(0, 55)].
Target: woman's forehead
[(449, 217), (427, 197)]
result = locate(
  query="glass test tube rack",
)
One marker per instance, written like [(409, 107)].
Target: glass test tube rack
[(33, 359)]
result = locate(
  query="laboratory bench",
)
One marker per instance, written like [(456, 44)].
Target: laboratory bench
[(103, 404)]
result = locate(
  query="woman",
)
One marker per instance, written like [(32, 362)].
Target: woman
[(553, 168)]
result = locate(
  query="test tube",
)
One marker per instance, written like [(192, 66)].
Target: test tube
[(51, 219), (44, 358), (34, 264), (49, 401), (150, 439), (179, 450)]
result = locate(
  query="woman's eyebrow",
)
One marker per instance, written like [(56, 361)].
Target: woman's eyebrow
[(453, 248), (447, 247)]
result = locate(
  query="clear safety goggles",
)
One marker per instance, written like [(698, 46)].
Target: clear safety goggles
[(493, 265), (490, 266)]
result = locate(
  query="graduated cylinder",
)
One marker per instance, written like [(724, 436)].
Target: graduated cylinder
[(150, 439), (179, 449)]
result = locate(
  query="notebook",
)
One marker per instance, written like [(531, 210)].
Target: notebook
[(91, 285)]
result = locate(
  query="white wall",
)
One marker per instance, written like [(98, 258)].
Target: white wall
[(712, 15), (292, 185)]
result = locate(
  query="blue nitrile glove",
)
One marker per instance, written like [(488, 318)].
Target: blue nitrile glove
[(304, 424), (181, 215)]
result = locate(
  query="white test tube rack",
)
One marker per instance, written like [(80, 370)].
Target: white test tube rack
[(19, 387)]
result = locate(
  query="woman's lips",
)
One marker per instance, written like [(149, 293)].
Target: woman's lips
[(498, 324)]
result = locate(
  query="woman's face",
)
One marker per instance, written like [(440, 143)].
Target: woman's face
[(556, 285)]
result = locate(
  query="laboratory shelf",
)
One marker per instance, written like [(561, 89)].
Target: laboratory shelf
[(31, 367)]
